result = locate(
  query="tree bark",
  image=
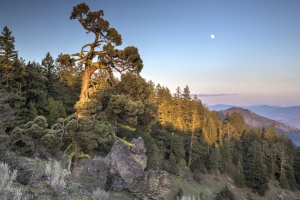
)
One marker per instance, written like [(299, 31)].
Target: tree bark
[(86, 77)]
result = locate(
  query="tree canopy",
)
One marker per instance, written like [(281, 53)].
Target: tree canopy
[(99, 59)]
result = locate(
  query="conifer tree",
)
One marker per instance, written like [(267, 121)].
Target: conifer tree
[(99, 63), (237, 121), (178, 147), (28, 138), (194, 127), (154, 157), (178, 92), (109, 111), (7, 50), (215, 160), (282, 166), (8, 55), (35, 89), (186, 93), (6, 112), (255, 169), (164, 101), (56, 110), (51, 75), (226, 157), (239, 178), (297, 166), (11, 78)]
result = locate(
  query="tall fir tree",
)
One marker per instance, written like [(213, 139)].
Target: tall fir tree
[(7, 48), (297, 166), (11, 78), (51, 75), (35, 90), (239, 177), (255, 170)]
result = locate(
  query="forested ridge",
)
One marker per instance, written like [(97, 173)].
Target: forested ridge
[(75, 104)]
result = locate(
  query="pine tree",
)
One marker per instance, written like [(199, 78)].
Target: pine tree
[(194, 127), (56, 110), (51, 75), (226, 157), (297, 166), (215, 159), (153, 156), (6, 112), (239, 177), (186, 93), (11, 78), (178, 92), (255, 169), (35, 89), (237, 121), (282, 166), (7, 48), (164, 101), (8, 56), (177, 147)]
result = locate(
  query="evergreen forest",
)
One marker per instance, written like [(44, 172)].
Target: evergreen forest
[(81, 102)]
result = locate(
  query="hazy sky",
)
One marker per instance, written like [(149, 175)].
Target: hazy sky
[(253, 59)]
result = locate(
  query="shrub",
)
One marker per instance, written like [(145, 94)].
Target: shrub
[(7, 178), (56, 176)]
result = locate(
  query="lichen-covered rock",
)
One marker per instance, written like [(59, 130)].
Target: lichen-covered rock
[(127, 165), (127, 162), (154, 185)]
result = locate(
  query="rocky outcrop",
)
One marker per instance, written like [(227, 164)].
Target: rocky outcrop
[(154, 185), (127, 165), (128, 162)]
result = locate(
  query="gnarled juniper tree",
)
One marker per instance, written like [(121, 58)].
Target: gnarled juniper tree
[(100, 58), (105, 105)]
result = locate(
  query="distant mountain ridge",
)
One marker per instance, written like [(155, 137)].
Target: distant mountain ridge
[(254, 120), (287, 115)]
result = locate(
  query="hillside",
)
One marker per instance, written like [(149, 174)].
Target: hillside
[(287, 115), (254, 120)]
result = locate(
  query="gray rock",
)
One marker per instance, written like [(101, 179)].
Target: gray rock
[(127, 165), (127, 162), (154, 185)]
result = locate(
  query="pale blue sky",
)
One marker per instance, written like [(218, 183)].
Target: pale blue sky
[(254, 58)]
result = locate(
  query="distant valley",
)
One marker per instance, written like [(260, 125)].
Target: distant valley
[(253, 119)]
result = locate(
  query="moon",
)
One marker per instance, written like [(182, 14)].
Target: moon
[(212, 36)]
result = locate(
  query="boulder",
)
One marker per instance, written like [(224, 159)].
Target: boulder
[(127, 162), (127, 165)]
